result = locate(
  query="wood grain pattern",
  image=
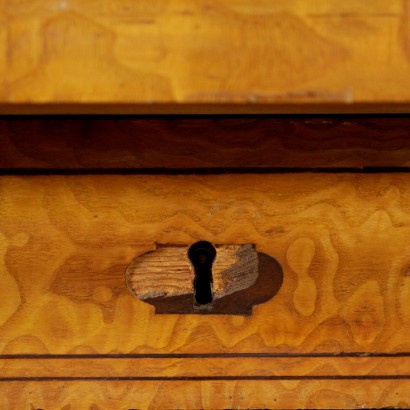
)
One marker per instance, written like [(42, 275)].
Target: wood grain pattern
[(194, 368), (167, 271), (242, 278), (204, 143), (341, 240), (317, 394), (165, 55)]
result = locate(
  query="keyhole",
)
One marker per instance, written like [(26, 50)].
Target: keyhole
[(202, 255)]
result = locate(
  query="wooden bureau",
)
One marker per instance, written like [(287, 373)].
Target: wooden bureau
[(327, 196), (204, 204)]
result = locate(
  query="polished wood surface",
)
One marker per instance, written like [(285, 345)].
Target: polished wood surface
[(202, 368), (204, 142), (281, 382), (180, 55), (341, 241), (108, 395), (335, 335)]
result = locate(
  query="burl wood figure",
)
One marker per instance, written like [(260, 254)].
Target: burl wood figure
[(205, 288), (209, 261)]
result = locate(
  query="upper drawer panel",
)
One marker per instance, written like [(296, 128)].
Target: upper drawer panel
[(204, 56)]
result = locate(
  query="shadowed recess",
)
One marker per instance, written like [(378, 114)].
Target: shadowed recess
[(202, 255)]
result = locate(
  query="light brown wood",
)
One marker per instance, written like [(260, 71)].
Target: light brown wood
[(169, 368), (341, 239), (316, 394), (167, 271), (205, 143), (203, 278), (180, 55)]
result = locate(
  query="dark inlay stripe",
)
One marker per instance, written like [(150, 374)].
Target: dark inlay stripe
[(202, 378), (195, 171), (200, 355)]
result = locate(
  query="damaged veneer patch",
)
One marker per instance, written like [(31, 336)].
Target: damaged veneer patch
[(171, 280)]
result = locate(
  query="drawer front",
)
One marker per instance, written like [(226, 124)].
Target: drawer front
[(204, 143), (218, 56), (339, 323)]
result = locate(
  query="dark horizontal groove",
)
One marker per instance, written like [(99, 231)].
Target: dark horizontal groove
[(196, 171), (219, 116), (200, 355), (200, 378)]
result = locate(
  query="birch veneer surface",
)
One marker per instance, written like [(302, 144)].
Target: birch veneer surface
[(204, 56), (335, 335)]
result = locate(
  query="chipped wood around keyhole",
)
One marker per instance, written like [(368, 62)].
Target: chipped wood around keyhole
[(165, 277), (168, 272)]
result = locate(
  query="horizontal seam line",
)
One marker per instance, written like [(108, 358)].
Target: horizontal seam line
[(199, 171), (200, 355), (187, 116), (199, 378)]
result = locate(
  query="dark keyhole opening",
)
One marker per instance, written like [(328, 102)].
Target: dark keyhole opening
[(202, 255)]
